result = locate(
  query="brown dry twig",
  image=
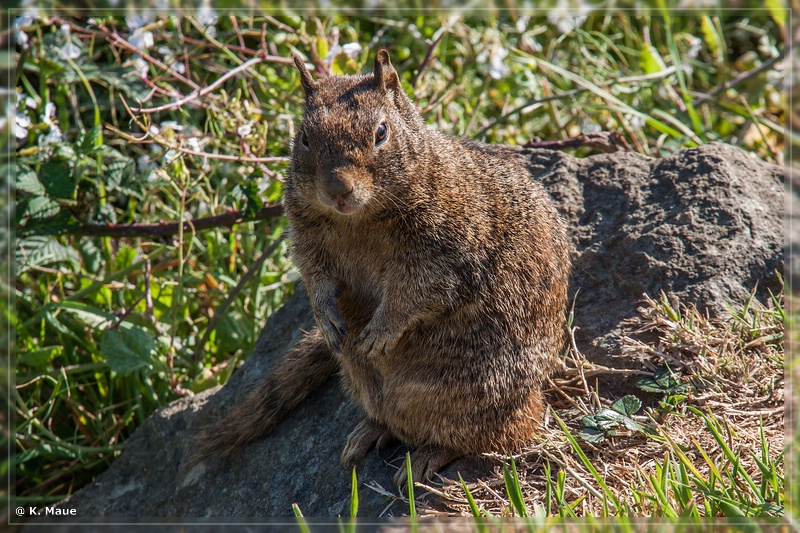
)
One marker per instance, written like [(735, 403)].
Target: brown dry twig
[(171, 228)]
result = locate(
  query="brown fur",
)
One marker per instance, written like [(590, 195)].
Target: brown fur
[(437, 269)]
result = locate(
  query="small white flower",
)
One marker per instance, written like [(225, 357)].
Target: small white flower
[(352, 50), (637, 122), (497, 68), (49, 113), (25, 20), (171, 125), (141, 40), (194, 144), (141, 66), (695, 44), (171, 155), (522, 23), (206, 15), (30, 102), (135, 22), (22, 123), (53, 136), (178, 67), (245, 130), (144, 163), (71, 51), (153, 130), (22, 39)]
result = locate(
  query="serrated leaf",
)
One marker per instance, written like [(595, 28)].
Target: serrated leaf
[(127, 349), (649, 385), (592, 435), (91, 255), (57, 179), (44, 251), (604, 415), (627, 405), (92, 139), (40, 208), (27, 181), (590, 422), (632, 424)]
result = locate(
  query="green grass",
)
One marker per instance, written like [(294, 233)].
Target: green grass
[(89, 159)]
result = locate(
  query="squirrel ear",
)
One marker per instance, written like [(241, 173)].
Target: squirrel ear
[(385, 74), (308, 83)]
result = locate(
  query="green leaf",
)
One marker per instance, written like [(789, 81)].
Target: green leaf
[(38, 209), (127, 349), (27, 181), (92, 255), (652, 62), (412, 506), (777, 10), (711, 37), (91, 139), (628, 405), (470, 499), (56, 177), (354, 494), (592, 435), (39, 359), (249, 192), (513, 489), (44, 251), (125, 257)]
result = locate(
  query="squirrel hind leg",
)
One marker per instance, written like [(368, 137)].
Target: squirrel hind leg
[(367, 434), (425, 462)]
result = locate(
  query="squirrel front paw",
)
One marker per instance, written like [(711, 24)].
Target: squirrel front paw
[(332, 326), (375, 339)]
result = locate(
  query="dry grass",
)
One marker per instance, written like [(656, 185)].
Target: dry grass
[(711, 443)]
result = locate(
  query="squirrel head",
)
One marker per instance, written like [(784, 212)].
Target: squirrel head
[(357, 135)]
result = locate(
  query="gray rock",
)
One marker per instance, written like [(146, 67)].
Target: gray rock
[(705, 226)]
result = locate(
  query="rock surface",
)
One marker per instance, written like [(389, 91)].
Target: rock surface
[(705, 226)]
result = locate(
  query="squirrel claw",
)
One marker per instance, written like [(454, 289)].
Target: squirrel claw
[(333, 329)]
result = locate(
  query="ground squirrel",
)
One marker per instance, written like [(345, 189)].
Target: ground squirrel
[(437, 269)]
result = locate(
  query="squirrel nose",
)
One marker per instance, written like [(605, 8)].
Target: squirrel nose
[(337, 188)]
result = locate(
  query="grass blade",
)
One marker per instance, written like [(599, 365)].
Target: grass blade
[(513, 489), (588, 464)]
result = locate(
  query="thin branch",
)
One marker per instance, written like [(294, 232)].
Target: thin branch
[(197, 94), (219, 311), (741, 78), (160, 142), (428, 55), (172, 228)]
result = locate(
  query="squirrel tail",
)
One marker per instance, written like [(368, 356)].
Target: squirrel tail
[(304, 369)]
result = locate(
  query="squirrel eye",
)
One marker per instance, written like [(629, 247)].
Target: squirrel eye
[(381, 134), (304, 139)]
